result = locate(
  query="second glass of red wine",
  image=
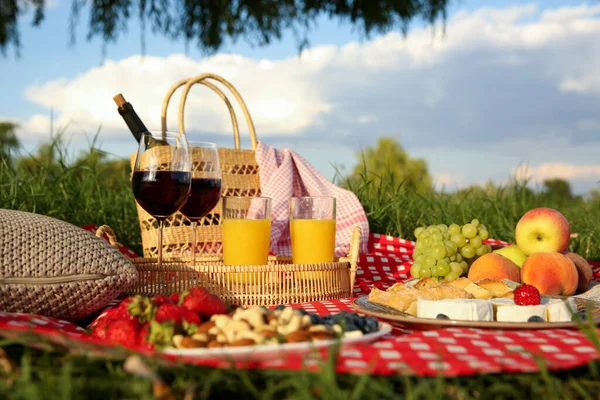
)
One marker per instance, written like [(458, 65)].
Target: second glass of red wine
[(206, 186), (162, 177)]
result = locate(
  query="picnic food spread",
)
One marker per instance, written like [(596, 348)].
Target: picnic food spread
[(485, 300), (197, 319), (504, 286)]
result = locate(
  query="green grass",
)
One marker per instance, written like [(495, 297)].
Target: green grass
[(92, 189)]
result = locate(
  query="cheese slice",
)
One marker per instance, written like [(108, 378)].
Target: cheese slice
[(458, 309), (477, 291), (561, 310), (500, 302), (508, 313)]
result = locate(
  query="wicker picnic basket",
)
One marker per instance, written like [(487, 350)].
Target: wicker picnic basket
[(278, 282), (239, 178)]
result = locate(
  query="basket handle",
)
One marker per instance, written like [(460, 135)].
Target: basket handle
[(201, 79), (177, 85), (110, 234)]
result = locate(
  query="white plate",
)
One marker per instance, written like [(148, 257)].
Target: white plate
[(407, 321), (271, 351)]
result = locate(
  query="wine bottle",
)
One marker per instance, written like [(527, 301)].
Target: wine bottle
[(133, 121), (135, 124)]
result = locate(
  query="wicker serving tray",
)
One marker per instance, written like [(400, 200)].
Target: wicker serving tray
[(278, 282)]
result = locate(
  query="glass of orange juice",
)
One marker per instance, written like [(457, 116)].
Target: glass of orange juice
[(312, 228), (246, 233)]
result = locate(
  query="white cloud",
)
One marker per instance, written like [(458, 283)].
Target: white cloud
[(497, 78), (567, 171), (448, 182)]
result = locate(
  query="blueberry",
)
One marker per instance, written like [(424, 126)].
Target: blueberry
[(536, 318), (442, 316), (579, 316), (359, 322), (371, 325), (280, 307), (315, 319), (328, 320), (302, 311), (351, 326)]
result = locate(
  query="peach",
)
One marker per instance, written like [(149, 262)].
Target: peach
[(494, 265), (550, 273), (584, 270)]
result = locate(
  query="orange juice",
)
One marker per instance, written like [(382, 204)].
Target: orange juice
[(313, 241), (245, 242)]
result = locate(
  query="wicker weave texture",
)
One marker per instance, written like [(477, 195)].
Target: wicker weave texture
[(240, 177), (279, 282), (56, 269)]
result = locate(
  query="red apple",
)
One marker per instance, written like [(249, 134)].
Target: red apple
[(542, 230)]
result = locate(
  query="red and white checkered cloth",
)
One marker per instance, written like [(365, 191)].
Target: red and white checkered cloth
[(449, 352), (285, 174)]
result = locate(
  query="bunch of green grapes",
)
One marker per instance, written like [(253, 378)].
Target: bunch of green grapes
[(445, 252)]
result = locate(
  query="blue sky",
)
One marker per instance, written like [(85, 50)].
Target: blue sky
[(475, 106)]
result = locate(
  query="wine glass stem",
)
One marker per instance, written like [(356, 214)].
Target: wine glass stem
[(160, 241), (194, 223)]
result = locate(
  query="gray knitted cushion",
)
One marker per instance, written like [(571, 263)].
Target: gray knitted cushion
[(52, 268)]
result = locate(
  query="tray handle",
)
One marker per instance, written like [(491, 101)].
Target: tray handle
[(110, 234), (353, 256)]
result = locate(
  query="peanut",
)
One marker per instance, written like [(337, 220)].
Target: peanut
[(242, 342), (189, 343), (321, 335), (205, 327), (298, 336)]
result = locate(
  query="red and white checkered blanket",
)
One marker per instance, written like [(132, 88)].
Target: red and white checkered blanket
[(285, 174), (450, 351)]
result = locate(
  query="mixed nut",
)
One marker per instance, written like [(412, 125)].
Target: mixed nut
[(259, 325)]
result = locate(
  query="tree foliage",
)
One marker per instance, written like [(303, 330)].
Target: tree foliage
[(8, 139), (389, 162), (210, 22), (557, 188)]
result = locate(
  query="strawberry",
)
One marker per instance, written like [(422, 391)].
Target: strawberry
[(527, 295), (190, 317), (117, 313), (160, 300), (203, 302), (174, 298), (99, 331), (144, 336), (125, 302), (124, 332), (168, 312)]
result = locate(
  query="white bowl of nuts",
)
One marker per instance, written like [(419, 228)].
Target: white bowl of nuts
[(257, 333)]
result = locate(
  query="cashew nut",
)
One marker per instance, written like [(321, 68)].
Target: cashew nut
[(254, 316), (257, 337), (306, 321), (353, 334), (320, 328), (200, 336), (221, 338), (294, 324), (177, 339), (285, 315)]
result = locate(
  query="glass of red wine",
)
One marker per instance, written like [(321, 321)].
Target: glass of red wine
[(162, 176), (206, 185)]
